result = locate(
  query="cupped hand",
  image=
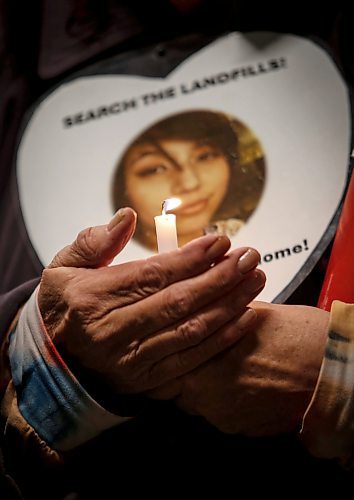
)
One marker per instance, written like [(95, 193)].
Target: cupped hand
[(262, 385), (143, 323)]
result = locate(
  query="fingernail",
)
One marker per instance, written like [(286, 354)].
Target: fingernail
[(117, 218), (248, 261), (247, 318), (254, 282), (218, 247)]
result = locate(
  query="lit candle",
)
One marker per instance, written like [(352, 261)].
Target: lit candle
[(165, 223)]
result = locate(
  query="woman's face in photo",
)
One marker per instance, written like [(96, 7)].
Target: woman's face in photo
[(196, 173)]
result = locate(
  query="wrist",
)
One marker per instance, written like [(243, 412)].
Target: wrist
[(327, 428), (124, 405), (49, 396)]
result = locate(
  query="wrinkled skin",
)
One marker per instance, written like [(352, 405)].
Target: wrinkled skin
[(141, 324), (262, 385)]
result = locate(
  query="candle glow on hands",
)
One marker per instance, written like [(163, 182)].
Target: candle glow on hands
[(165, 224)]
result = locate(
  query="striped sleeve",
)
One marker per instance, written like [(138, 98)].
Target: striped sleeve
[(50, 398), (328, 424)]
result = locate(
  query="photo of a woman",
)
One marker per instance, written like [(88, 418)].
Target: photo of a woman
[(210, 161)]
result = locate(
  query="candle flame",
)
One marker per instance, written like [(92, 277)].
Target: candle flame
[(170, 204)]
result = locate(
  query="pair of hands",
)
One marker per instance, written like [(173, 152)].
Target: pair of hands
[(168, 326), (141, 324)]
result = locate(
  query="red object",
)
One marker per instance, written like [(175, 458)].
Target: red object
[(339, 279)]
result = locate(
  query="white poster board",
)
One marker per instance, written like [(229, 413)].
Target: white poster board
[(286, 95)]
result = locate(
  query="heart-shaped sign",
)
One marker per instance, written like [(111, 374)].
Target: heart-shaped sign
[(252, 133)]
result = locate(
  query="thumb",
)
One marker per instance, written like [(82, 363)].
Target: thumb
[(98, 245)]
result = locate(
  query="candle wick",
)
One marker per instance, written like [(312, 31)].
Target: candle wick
[(164, 207)]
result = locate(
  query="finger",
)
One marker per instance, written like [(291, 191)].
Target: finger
[(204, 323), (114, 287), (130, 282), (183, 362), (136, 280), (181, 299), (97, 246)]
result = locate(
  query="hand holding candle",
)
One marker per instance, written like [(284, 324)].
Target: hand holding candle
[(165, 223)]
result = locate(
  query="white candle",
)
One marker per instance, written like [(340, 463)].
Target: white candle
[(165, 224)]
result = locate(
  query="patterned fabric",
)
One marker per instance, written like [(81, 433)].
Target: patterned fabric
[(49, 397), (328, 424)]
